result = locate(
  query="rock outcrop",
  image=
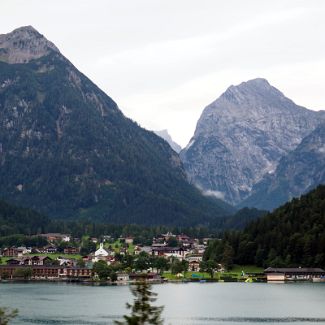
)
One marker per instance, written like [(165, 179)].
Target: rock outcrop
[(24, 44)]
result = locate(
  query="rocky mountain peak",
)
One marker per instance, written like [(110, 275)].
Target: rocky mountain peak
[(257, 83), (242, 135), (254, 94), (23, 45)]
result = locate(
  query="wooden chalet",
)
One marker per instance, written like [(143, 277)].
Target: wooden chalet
[(71, 250), (178, 252), (10, 252)]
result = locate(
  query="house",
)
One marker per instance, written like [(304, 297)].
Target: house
[(194, 257), (293, 274), (194, 266), (71, 250), (110, 260), (40, 260), (129, 240), (137, 250), (75, 272), (51, 237), (30, 260), (157, 244), (122, 277), (66, 261), (178, 252), (13, 261), (10, 252), (167, 236), (151, 276), (199, 249), (50, 249), (22, 250)]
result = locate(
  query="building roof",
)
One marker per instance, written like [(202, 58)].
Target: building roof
[(167, 249), (294, 270)]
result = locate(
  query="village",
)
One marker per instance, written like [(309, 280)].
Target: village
[(120, 260)]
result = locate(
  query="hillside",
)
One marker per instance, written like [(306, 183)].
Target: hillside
[(293, 235), (66, 150), (15, 220)]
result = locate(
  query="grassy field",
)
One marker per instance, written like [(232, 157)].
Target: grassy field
[(187, 275), (235, 272), (4, 260), (246, 268), (117, 245), (56, 255)]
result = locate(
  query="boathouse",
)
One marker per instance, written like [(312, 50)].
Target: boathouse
[(293, 274)]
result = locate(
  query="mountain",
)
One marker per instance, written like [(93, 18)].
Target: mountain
[(166, 136), (242, 136), (66, 150), (297, 173)]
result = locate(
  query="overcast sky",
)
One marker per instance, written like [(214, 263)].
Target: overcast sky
[(163, 61)]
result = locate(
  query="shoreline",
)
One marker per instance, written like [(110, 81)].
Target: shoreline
[(128, 283)]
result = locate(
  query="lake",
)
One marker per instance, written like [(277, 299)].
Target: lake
[(192, 303)]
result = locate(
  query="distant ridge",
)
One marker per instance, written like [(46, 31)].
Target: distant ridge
[(166, 136)]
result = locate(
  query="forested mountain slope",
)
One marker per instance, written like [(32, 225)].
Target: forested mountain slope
[(293, 235), (66, 149)]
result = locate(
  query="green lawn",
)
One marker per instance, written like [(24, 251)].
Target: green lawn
[(189, 275), (4, 260), (235, 272), (246, 268), (116, 246), (56, 255)]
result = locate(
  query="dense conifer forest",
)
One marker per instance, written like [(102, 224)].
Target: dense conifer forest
[(292, 235)]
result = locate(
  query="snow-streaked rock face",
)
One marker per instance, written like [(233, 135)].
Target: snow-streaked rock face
[(24, 44), (166, 136), (242, 135), (297, 173)]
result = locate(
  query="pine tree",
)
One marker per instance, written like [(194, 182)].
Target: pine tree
[(7, 315), (142, 310)]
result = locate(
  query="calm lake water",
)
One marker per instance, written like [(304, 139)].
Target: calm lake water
[(192, 303)]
